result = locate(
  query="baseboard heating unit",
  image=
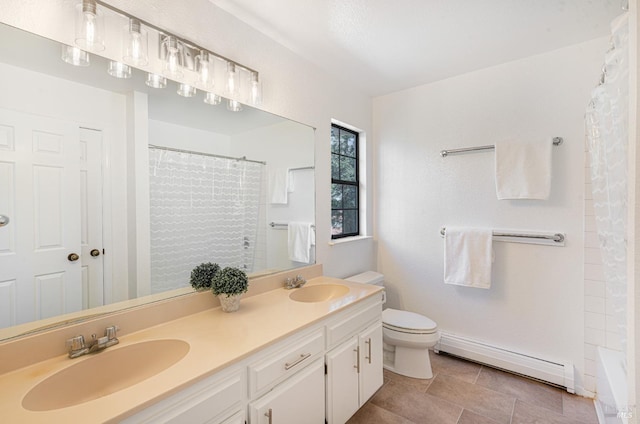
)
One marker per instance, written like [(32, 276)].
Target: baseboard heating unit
[(558, 374)]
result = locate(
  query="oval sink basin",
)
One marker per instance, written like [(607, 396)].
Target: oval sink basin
[(104, 373), (319, 293)]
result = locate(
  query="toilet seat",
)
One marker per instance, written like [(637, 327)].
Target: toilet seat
[(407, 322)]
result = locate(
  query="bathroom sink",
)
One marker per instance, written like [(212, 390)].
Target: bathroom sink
[(319, 293), (104, 373)]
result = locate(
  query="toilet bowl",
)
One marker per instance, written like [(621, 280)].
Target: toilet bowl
[(407, 336)]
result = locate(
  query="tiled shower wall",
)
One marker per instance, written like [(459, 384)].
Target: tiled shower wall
[(599, 320)]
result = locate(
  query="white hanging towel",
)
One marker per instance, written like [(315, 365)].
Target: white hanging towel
[(523, 169), (300, 240), (468, 256), (278, 185)]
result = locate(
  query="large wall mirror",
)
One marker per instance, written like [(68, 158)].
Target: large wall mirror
[(115, 190)]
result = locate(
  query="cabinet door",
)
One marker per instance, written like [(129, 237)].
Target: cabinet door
[(299, 399), (342, 382), (371, 377)]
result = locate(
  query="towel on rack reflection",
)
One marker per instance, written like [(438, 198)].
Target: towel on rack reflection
[(300, 239), (523, 169), (468, 255), (279, 186)]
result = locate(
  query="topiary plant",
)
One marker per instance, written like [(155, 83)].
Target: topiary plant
[(202, 275), (230, 281)]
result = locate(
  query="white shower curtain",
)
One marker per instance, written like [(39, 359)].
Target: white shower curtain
[(203, 209), (607, 137)]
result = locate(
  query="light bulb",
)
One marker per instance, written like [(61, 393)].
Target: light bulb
[(173, 60), (89, 26), (233, 81), (255, 93), (204, 68), (135, 43)]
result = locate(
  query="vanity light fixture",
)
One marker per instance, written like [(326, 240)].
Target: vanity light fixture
[(234, 105), (186, 90), (89, 26), (204, 68), (135, 43), (119, 69), (156, 81), (173, 57), (212, 99), (75, 56)]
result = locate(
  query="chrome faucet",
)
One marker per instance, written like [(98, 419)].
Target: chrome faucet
[(77, 346), (293, 283)]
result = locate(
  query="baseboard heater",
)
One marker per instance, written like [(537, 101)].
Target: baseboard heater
[(558, 374)]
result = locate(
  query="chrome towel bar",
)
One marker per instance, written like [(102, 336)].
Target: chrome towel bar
[(557, 237), (283, 225), (444, 153)]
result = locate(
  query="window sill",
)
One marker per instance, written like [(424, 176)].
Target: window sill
[(348, 240)]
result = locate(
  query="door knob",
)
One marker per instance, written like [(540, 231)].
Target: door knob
[(95, 252), (4, 220), (73, 257)]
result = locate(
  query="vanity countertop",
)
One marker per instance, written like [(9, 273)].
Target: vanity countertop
[(217, 340)]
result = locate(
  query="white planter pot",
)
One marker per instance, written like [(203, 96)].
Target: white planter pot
[(229, 303)]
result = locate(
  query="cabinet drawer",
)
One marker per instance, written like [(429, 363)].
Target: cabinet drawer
[(207, 401), (286, 361), (348, 325)]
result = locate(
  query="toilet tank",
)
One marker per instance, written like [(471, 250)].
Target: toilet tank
[(368, 277)]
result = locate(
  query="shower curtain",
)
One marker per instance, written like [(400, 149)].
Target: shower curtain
[(607, 137), (203, 209)]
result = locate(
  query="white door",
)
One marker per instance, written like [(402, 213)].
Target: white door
[(299, 399), (371, 373), (342, 382), (40, 192)]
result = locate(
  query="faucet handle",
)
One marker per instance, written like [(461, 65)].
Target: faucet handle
[(76, 343), (111, 331)]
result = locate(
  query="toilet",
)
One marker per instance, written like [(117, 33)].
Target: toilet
[(407, 336)]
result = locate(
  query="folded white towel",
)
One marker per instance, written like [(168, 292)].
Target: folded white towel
[(278, 185), (523, 169), (299, 241), (468, 257)]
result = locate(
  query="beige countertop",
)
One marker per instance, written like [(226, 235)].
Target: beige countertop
[(217, 339)]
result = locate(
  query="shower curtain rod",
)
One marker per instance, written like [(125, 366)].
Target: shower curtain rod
[(191, 152)]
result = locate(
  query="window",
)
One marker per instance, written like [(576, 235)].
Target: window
[(344, 183)]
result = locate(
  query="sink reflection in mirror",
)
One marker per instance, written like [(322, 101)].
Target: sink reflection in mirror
[(319, 293), (138, 214), (104, 374)]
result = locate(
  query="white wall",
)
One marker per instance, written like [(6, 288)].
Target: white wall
[(536, 304), (167, 134)]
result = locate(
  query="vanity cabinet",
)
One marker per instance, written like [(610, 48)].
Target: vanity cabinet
[(354, 366)]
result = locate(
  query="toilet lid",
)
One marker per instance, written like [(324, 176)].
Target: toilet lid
[(408, 320)]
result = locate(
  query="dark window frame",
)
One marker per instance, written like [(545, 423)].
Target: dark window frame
[(355, 184)]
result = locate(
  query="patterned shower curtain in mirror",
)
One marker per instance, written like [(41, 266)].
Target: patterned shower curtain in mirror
[(606, 122), (203, 209)]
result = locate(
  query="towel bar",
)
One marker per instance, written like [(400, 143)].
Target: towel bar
[(557, 237), (283, 224), (556, 142)]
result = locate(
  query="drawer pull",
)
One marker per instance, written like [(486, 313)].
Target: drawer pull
[(270, 415), (302, 357), (357, 366), (369, 343)]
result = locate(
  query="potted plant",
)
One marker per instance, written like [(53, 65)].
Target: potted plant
[(202, 275), (229, 284)]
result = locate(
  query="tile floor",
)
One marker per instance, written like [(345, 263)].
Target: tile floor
[(462, 392)]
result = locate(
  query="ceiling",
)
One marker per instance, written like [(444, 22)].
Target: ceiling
[(382, 46)]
